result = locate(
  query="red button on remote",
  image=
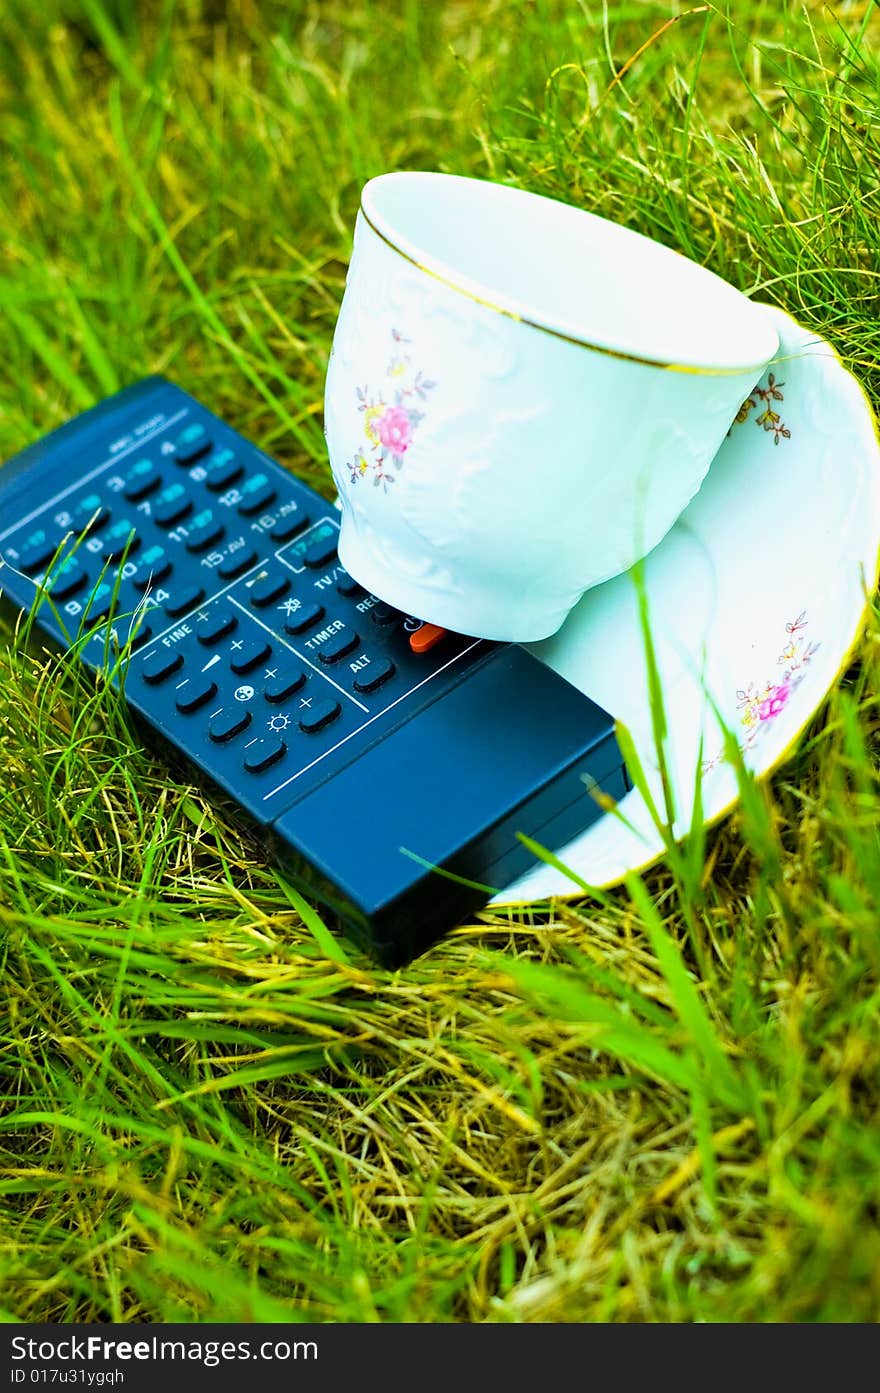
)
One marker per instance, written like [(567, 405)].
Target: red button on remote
[(426, 638)]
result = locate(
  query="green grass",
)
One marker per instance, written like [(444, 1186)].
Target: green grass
[(656, 1104)]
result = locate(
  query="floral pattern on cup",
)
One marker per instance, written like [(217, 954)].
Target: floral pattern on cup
[(391, 417), (760, 703), (769, 419)]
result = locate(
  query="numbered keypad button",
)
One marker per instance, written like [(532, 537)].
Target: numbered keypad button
[(289, 526), (301, 619), (67, 578), (171, 505), (90, 514), (192, 443), (141, 635), (338, 644), (320, 552), (374, 676), (120, 540), (223, 470), (142, 479), (256, 495), (152, 567), (99, 603), (206, 532), (236, 564), (184, 600), (262, 754), (323, 713), (246, 656), (195, 694), (220, 621), (228, 723), (36, 550)]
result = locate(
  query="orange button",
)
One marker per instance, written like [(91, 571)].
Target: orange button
[(425, 638)]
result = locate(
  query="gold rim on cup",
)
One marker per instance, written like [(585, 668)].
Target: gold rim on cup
[(691, 369)]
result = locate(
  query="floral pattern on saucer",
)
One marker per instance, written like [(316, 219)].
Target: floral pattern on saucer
[(797, 544), (768, 418), (390, 417), (760, 703)]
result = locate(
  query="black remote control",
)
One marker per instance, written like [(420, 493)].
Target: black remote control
[(373, 752)]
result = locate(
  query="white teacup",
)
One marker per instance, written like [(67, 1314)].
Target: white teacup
[(521, 399)]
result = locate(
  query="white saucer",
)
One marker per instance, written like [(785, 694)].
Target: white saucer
[(756, 598)]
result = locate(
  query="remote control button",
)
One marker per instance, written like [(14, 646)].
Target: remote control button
[(36, 550), (385, 614), (369, 678), (184, 600), (262, 754), (256, 495), (288, 526), (301, 619), (319, 553), (90, 514), (99, 603), (153, 566), (340, 643), (195, 694), (314, 718), (220, 621), (257, 502), (270, 588), (142, 635), (161, 665), (236, 564), (121, 539), (223, 470), (141, 480), (347, 585), (192, 443), (205, 535), (280, 688), (249, 655), (66, 579), (227, 723), (426, 638), (171, 505)]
